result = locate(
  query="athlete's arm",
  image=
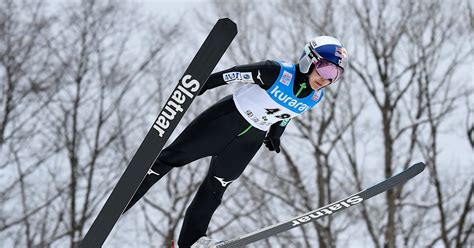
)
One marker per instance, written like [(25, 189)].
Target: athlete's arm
[(262, 73)]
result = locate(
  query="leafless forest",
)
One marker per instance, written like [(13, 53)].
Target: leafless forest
[(82, 81)]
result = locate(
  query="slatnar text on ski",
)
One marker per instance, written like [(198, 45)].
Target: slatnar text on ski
[(328, 210), (174, 104)]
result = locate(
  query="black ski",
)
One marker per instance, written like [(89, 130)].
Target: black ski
[(189, 85), (330, 209)]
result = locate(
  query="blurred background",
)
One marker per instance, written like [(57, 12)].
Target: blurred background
[(83, 81)]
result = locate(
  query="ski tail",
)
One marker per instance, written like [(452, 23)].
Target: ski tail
[(327, 210)]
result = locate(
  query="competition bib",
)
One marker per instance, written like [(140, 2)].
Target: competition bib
[(262, 108)]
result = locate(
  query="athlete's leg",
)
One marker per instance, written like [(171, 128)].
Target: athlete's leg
[(225, 168), (205, 136)]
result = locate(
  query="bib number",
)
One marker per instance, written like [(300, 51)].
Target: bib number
[(272, 111)]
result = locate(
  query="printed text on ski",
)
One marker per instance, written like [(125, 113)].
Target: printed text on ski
[(328, 210), (179, 96)]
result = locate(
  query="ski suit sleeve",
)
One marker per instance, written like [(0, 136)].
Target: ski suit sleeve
[(262, 73)]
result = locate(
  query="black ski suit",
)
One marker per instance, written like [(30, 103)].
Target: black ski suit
[(220, 132)]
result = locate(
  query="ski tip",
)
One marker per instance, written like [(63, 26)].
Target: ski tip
[(418, 167), (228, 23)]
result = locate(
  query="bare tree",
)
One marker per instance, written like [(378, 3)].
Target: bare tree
[(25, 93), (422, 30), (93, 67), (437, 84), (21, 58)]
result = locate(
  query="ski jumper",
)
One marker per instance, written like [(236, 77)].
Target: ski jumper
[(231, 132)]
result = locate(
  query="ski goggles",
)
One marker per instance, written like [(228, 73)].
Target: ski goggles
[(327, 70)]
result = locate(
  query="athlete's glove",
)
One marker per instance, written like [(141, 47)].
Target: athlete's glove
[(272, 143)]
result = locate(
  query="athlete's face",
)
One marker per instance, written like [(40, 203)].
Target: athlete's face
[(316, 81)]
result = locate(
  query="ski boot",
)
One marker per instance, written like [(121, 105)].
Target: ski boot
[(205, 242)]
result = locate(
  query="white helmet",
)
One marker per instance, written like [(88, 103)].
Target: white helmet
[(325, 48)]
